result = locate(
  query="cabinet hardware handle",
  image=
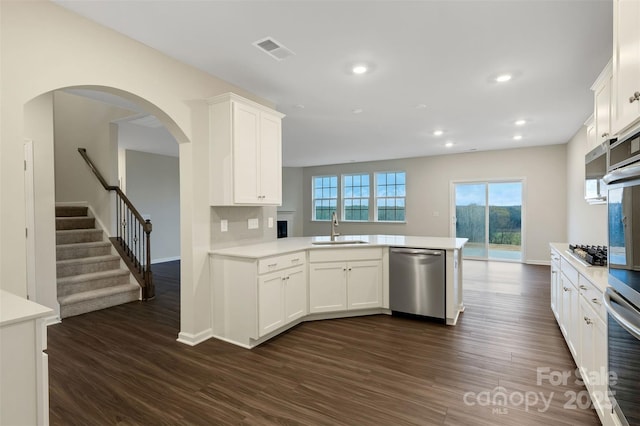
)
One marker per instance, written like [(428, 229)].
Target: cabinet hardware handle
[(634, 98), (271, 265), (297, 259), (582, 287), (565, 289), (596, 301), (349, 268), (344, 269), (588, 320), (604, 135)]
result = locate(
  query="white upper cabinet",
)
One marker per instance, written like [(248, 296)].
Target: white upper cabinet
[(626, 64), (602, 106), (245, 153)]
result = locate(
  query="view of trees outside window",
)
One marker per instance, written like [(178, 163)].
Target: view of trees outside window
[(325, 197), (356, 197), (391, 191), (489, 214)]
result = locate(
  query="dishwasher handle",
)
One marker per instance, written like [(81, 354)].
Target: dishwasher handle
[(415, 251)]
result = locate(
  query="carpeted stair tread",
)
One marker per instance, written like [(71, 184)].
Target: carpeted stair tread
[(85, 265), (92, 276), (71, 236), (85, 296), (82, 250), (92, 281), (63, 211), (84, 260), (75, 222)]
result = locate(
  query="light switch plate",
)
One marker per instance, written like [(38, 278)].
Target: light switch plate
[(224, 225), (270, 222), (253, 223)]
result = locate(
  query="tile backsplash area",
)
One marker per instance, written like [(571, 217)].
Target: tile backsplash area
[(238, 232)]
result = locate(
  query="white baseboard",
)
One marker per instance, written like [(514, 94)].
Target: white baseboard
[(165, 259), (538, 262), (52, 320), (193, 339)]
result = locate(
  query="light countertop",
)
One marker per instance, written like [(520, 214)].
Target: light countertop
[(15, 309), (292, 244), (598, 275)]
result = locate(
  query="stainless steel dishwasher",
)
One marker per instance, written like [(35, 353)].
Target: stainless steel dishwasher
[(417, 281)]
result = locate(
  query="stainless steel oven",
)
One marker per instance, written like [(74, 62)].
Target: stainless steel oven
[(622, 298)]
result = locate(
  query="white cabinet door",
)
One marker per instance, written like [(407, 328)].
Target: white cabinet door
[(626, 62), (364, 284), (603, 111), (586, 320), (570, 312), (246, 127), (555, 271), (295, 294), (270, 177), (327, 287), (270, 302)]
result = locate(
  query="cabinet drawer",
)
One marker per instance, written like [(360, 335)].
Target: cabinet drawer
[(276, 263), (569, 271), (344, 254), (593, 296)]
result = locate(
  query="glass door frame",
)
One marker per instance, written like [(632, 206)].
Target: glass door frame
[(487, 182)]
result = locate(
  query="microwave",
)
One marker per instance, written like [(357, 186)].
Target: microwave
[(595, 190)]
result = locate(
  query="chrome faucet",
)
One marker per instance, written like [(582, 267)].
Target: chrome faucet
[(334, 224)]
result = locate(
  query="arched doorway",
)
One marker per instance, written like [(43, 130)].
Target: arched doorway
[(40, 134)]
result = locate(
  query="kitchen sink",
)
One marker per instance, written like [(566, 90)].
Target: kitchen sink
[(341, 242)]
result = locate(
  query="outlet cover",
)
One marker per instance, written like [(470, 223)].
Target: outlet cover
[(253, 223), (270, 222), (224, 225)]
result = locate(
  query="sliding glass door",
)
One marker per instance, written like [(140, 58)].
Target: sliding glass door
[(489, 214)]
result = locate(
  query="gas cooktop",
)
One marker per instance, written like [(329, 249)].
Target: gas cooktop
[(592, 255)]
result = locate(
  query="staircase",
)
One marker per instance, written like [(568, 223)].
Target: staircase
[(89, 277)]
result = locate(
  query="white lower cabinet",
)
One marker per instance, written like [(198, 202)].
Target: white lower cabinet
[(582, 319), (282, 298), (353, 283), (327, 287), (556, 291)]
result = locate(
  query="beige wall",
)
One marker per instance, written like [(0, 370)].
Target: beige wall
[(153, 186), (292, 207), (586, 224), (429, 193), (84, 123), (46, 48)]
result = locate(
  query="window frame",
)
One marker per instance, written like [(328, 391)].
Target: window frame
[(376, 197), (343, 199), (313, 196)]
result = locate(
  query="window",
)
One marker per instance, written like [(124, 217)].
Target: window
[(355, 197), (325, 196), (390, 196)]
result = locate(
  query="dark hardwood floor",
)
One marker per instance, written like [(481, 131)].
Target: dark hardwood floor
[(123, 366)]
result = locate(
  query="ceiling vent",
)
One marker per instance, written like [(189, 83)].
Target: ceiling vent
[(273, 48)]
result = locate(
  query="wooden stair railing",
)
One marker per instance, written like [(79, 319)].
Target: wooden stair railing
[(133, 240)]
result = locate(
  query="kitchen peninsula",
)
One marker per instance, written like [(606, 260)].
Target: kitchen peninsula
[(261, 290)]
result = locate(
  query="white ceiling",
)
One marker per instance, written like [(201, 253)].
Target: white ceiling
[(442, 54)]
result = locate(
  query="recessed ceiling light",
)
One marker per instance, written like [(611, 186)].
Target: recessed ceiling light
[(517, 137), (449, 144), (421, 106), (520, 122), (357, 110), (503, 77), (359, 69), (300, 106), (437, 133)]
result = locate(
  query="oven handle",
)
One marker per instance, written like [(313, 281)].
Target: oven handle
[(625, 319), (622, 174)]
